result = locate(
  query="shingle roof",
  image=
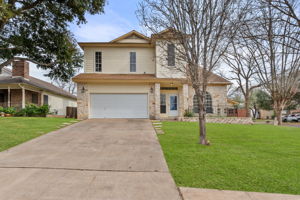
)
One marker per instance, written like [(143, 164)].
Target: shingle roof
[(214, 78), (36, 83)]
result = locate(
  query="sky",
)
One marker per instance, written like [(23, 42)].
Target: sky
[(119, 18)]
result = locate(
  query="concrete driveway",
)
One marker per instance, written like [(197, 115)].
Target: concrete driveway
[(109, 159)]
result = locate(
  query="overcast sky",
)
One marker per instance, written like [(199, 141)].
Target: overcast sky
[(119, 18)]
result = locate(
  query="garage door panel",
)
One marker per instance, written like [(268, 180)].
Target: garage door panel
[(119, 106)]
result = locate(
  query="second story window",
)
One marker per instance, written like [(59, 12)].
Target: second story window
[(98, 61), (132, 61), (171, 55)]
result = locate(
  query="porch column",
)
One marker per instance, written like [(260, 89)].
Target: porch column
[(185, 91), (184, 99), (8, 97), (23, 97), (157, 100)]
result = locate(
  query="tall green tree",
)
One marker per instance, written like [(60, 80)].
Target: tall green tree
[(260, 100), (264, 100), (295, 102), (38, 31)]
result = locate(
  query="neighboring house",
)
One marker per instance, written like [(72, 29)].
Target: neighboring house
[(265, 114), (17, 89), (124, 78)]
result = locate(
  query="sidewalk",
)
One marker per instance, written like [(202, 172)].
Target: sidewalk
[(211, 194)]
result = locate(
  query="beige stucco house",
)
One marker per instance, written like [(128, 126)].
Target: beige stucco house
[(125, 78), (18, 88)]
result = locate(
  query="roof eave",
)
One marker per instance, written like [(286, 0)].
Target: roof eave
[(20, 80), (109, 44)]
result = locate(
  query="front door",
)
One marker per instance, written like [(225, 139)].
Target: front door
[(173, 105)]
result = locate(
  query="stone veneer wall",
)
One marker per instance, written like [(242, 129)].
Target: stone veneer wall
[(82, 102), (222, 120), (219, 98), (151, 105)]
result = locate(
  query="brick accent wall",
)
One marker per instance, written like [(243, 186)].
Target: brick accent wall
[(16, 98), (28, 97), (20, 68)]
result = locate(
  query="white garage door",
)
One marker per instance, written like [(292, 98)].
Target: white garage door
[(119, 106)]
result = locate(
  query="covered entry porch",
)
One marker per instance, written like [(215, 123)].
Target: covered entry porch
[(19, 95)]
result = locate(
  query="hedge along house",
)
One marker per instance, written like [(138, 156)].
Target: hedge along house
[(126, 78), (18, 88)]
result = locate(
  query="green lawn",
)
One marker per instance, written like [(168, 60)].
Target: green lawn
[(261, 158), (16, 130)]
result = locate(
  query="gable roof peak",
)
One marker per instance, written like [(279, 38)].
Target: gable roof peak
[(129, 34)]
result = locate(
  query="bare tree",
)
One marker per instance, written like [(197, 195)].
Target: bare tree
[(241, 70), (290, 8), (67, 86), (271, 41), (202, 30)]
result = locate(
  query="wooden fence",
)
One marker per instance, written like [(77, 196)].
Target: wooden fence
[(234, 112), (71, 112)]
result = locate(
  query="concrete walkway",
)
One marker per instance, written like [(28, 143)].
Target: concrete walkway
[(210, 194), (93, 160)]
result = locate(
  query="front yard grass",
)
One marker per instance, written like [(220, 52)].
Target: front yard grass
[(261, 158), (16, 130)]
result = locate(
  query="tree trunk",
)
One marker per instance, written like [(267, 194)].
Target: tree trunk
[(202, 117), (278, 116), (202, 126), (247, 105), (278, 113)]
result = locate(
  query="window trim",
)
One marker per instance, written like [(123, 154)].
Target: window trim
[(208, 101), (32, 98), (169, 88), (171, 58), (100, 62), (132, 62), (163, 105), (44, 99)]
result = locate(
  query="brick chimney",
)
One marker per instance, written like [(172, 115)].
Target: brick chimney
[(20, 68)]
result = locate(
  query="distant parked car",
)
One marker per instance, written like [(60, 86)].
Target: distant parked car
[(291, 118), (298, 117)]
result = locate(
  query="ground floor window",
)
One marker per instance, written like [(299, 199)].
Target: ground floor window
[(34, 98), (207, 103), (46, 100), (163, 105)]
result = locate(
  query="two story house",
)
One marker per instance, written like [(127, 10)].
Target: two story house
[(125, 78)]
